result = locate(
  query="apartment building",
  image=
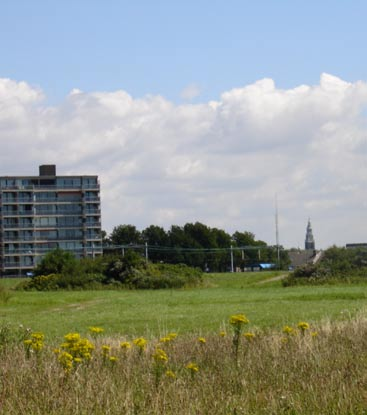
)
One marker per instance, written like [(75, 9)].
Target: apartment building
[(41, 213)]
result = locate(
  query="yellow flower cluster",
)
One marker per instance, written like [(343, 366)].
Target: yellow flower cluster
[(249, 336), (141, 343), (125, 345), (160, 356), (66, 361), (74, 351), (77, 346), (170, 374), (96, 330), (193, 367), (201, 340), (35, 343), (302, 325), (288, 330), (106, 350), (238, 319), (169, 338)]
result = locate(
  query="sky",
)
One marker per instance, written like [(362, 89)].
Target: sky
[(192, 111)]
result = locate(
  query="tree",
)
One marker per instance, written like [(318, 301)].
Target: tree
[(157, 238), (57, 262), (125, 235)]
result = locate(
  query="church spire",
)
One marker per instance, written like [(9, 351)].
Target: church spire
[(309, 241)]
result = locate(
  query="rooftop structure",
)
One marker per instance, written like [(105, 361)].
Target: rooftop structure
[(41, 213)]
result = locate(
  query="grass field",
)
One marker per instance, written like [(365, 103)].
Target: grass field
[(267, 370), (202, 310)]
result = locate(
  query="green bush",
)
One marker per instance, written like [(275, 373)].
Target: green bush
[(132, 271), (55, 282)]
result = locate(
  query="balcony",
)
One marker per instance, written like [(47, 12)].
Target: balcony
[(58, 200), (59, 213), (43, 187), (94, 212), (10, 214), (16, 201)]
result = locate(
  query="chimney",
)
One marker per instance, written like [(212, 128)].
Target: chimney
[(47, 170)]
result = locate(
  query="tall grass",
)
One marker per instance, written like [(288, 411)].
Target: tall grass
[(322, 371)]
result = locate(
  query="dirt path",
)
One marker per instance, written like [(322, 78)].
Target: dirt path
[(277, 278)]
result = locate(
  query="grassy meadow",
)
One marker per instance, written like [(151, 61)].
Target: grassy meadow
[(201, 310), (303, 351)]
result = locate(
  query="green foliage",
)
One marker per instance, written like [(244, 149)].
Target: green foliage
[(11, 336), (57, 262), (61, 270), (128, 271), (175, 246), (5, 295), (125, 234), (132, 271), (55, 282), (336, 264)]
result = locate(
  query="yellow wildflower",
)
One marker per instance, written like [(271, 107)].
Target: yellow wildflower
[(164, 339), (201, 340), (66, 361), (37, 346), (160, 356), (125, 345), (113, 359), (222, 333), (140, 342), (249, 336), (38, 336), (77, 346), (106, 350), (96, 330), (302, 325), (287, 330), (170, 374), (238, 319), (72, 337), (193, 367)]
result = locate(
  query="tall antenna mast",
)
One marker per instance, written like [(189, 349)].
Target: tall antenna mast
[(277, 229)]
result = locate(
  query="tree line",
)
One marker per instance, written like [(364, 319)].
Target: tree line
[(196, 245)]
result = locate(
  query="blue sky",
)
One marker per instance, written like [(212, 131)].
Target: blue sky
[(195, 110), (160, 47)]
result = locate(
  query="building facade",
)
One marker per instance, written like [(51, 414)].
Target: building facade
[(309, 241), (41, 213)]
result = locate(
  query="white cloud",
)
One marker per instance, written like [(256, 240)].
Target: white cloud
[(220, 162), (190, 92)]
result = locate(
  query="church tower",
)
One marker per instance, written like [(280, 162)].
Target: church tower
[(309, 241)]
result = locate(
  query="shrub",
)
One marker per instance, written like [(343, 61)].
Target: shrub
[(56, 262), (55, 282), (132, 271)]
